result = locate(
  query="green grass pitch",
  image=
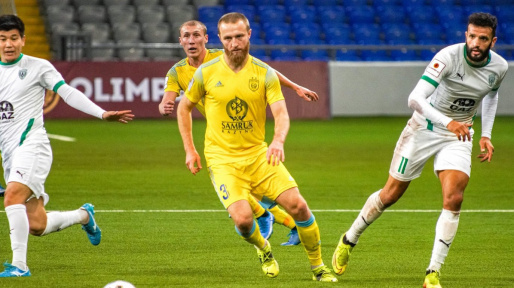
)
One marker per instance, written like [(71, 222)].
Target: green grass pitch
[(164, 227)]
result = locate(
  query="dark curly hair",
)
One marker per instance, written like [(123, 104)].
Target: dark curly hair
[(484, 20)]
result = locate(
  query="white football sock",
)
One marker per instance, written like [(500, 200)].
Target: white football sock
[(445, 231), (19, 225), (369, 213), (56, 221)]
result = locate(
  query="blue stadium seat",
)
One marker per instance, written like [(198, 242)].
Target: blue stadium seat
[(366, 33), (507, 32), (258, 52), (501, 2), (442, 3), (432, 42), (452, 17), (238, 2), (468, 10), (284, 54), (464, 3), (356, 2), (425, 14), (427, 31), (306, 32), (377, 3), (247, 10), (315, 55), (360, 14), (295, 3), (505, 13), (404, 55), (270, 2), (410, 3), (506, 54), (368, 41), (309, 41), (302, 14), (257, 32), (271, 14), (394, 33), (500, 40), (338, 35), (455, 35), (390, 14), (427, 54), (213, 37), (210, 13), (302, 27), (346, 40), (326, 2), (375, 55), (347, 55), (331, 15), (276, 32)]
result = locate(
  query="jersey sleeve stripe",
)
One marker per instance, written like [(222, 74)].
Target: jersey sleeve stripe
[(58, 85), (429, 80)]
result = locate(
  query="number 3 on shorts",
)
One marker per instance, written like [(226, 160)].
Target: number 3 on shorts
[(223, 189)]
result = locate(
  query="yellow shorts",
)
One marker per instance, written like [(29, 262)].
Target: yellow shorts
[(236, 181)]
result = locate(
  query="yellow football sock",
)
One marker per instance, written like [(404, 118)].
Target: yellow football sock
[(309, 235), (254, 236), (257, 209), (281, 217)]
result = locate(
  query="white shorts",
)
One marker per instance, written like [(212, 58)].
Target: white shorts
[(30, 165), (417, 144)]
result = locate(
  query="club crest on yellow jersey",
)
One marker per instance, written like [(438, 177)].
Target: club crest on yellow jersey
[(253, 84)]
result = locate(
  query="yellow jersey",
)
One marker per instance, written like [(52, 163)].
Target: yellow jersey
[(235, 107), (179, 76)]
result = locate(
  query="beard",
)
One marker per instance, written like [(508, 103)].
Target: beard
[(481, 57), (238, 58)]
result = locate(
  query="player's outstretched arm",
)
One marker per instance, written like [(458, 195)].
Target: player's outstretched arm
[(185, 125), (79, 101), (120, 116), (301, 91)]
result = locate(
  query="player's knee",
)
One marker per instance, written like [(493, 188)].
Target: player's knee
[(299, 209), (244, 224), (454, 201), (37, 229)]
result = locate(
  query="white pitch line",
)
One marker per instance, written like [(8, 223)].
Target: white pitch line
[(62, 138), (321, 211), (329, 210)]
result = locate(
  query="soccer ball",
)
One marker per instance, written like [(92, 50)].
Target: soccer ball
[(119, 284)]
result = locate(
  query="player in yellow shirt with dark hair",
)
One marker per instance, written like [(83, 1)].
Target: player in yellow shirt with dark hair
[(235, 89), (193, 37)]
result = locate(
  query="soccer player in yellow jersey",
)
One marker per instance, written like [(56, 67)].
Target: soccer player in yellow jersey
[(193, 37), (236, 88)]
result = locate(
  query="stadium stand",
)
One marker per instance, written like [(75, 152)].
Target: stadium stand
[(433, 23)]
